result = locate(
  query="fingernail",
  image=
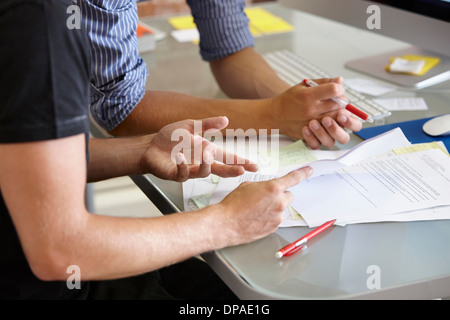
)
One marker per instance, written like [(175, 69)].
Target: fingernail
[(208, 158), (342, 119), (180, 158), (327, 122), (306, 131), (315, 125)]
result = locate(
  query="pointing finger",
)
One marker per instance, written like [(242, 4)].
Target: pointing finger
[(295, 177)]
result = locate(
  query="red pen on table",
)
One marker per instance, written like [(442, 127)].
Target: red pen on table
[(293, 247), (344, 104)]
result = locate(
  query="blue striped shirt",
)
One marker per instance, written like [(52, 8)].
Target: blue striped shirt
[(118, 73), (223, 27)]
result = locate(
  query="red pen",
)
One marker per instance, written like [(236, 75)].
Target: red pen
[(293, 247), (343, 103)]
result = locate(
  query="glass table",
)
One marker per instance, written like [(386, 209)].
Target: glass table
[(395, 260)]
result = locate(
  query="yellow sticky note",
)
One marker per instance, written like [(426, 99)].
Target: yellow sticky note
[(275, 25), (215, 179), (183, 22), (430, 62), (255, 31), (202, 201), (419, 147), (294, 153), (261, 22), (264, 22), (294, 214), (256, 14)]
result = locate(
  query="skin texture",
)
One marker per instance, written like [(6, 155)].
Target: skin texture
[(260, 100), (56, 230)]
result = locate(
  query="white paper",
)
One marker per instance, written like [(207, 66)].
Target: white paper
[(435, 213), (369, 87), (387, 141), (405, 65), (376, 187), (200, 191), (380, 144), (227, 185), (185, 35), (403, 104)]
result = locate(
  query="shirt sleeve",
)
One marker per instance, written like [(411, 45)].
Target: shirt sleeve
[(118, 73), (223, 27), (45, 73)]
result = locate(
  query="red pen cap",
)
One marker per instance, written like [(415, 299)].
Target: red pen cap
[(294, 250), (357, 112), (283, 251)]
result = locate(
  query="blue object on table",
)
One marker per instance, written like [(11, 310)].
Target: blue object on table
[(411, 129)]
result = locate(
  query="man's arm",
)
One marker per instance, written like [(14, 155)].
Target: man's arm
[(247, 75), (43, 186), (160, 108), (164, 154), (243, 73), (294, 113)]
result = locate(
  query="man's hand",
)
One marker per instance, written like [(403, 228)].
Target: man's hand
[(178, 152), (310, 114), (255, 209)]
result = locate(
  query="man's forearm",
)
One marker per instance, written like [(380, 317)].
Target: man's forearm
[(43, 185), (115, 157), (245, 74), (129, 246), (159, 108), (57, 231)]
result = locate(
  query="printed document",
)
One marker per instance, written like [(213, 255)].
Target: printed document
[(376, 187), (378, 180), (384, 142)]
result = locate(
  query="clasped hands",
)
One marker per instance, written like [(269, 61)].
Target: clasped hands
[(309, 114)]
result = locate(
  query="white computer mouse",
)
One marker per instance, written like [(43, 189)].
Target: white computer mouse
[(439, 126)]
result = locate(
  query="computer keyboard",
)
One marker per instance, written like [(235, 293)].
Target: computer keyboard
[(293, 69)]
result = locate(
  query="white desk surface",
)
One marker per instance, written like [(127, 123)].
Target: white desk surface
[(413, 257)]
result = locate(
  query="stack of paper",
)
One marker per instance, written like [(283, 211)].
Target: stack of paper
[(374, 189), (382, 179)]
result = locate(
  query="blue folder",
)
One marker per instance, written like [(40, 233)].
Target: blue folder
[(411, 129)]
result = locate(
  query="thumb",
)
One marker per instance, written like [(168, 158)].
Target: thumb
[(214, 124)]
